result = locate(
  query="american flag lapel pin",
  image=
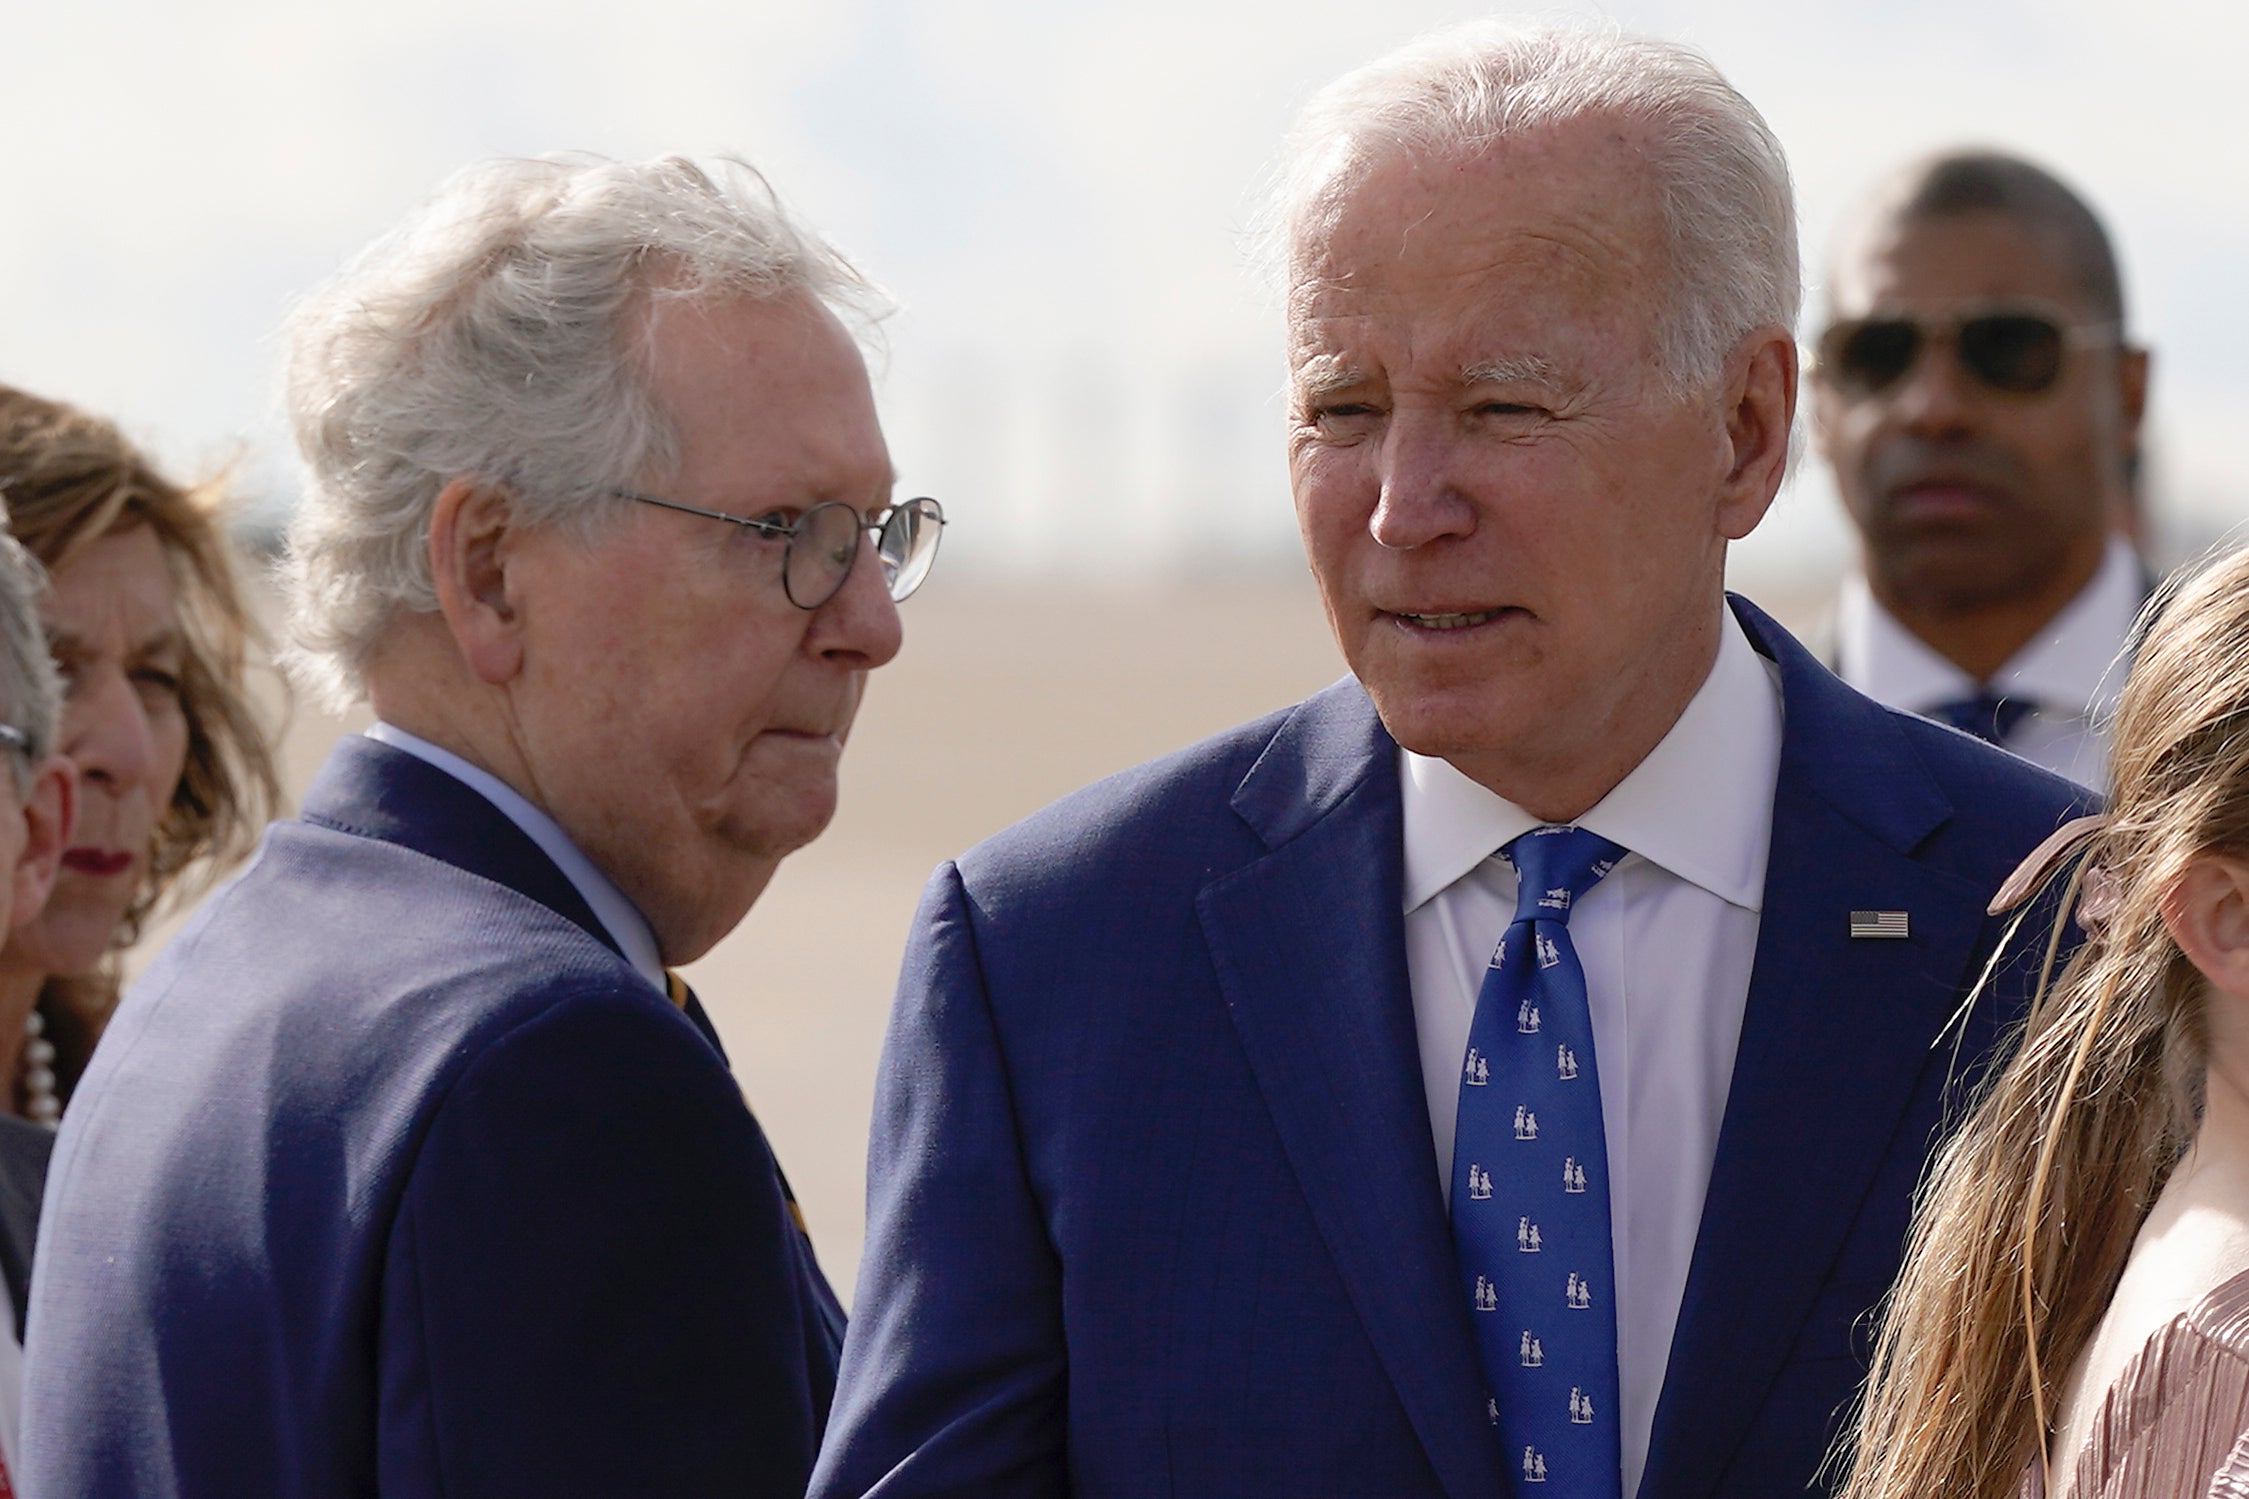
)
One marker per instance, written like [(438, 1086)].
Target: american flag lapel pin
[(1878, 924)]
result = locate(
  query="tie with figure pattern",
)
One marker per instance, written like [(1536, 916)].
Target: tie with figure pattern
[(1530, 1184), (1987, 715)]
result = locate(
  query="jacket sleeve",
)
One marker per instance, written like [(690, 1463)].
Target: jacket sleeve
[(591, 1288), (954, 1376)]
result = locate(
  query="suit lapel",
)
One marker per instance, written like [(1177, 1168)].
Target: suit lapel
[(693, 1007), (1835, 1038), (827, 1314), (377, 791), (1309, 947)]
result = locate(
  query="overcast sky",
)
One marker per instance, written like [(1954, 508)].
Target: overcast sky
[(1085, 370)]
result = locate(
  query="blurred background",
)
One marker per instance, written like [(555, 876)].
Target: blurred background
[(1085, 368)]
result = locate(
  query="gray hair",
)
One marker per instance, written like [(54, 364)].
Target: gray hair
[(489, 337), (30, 689), (1722, 179)]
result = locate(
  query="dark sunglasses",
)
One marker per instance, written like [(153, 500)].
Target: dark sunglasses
[(2017, 352)]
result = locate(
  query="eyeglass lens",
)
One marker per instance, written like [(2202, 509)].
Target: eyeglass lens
[(2018, 352), (907, 544), (820, 554), (826, 543)]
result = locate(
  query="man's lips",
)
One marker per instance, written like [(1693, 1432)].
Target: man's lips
[(1939, 499), (99, 862), (1450, 619)]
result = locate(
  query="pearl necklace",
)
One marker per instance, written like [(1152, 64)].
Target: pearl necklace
[(37, 1073)]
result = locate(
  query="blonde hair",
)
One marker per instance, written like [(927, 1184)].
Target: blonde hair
[(69, 479), (2031, 1209)]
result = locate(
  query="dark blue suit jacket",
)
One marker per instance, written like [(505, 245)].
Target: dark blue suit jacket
[(392, 1176), (1152, 1199)]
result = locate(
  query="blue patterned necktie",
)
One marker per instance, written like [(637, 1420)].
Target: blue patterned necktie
[(1530, 1185), (1987, 715)]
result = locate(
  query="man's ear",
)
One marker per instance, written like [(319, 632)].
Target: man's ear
[(2207, 914), (1760, 394), (2132, 367), (473, 531), (50, 809), (1821, 406)]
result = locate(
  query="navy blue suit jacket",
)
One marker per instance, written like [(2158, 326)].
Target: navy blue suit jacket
[(1153, 1206), (392, 1176)]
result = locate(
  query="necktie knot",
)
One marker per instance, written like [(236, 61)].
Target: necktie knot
[(1555, 865), (1987, 715)]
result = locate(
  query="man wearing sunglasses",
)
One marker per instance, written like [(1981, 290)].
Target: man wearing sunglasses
[(411, 1167), (1978, 397)]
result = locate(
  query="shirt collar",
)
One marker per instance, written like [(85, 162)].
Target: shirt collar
[(2069, 669), (2078, 658), (1700, 805), (617, 915)]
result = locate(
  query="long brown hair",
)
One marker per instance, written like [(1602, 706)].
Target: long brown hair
[(2032, 1208), (68, 479)]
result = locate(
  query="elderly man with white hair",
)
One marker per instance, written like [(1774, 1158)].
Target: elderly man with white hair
[(1510, 1068), (410, 1168)]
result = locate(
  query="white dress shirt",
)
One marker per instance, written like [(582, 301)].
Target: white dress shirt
[(2071, 671), (1667, 940), (617, 915)]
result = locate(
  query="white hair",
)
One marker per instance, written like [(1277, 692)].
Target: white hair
[(30, 689), (490, 336), (1721, 177)]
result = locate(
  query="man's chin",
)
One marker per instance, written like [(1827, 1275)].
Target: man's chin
[(1960, 574), (771, 831), (1448, 725)]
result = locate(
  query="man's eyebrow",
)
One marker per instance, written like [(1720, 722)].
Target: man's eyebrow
[(1528, 369), (1322, 374)]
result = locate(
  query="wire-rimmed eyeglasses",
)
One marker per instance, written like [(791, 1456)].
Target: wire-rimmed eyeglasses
[(823, 543)]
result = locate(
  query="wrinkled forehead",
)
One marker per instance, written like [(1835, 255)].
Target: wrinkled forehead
[(1371, 194), (770, 391), (1560, 223)]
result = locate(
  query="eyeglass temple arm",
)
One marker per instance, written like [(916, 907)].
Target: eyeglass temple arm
[(760, 525)]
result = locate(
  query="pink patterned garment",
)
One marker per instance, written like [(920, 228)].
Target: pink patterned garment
[(2175, 1425)]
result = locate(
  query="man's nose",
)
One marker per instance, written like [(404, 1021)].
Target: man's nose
[(1936, 396), (1420, 499), (112, 743), (859, 627)]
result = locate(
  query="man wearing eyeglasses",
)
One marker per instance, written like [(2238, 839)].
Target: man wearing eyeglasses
[(410, 1167), (1979, 398)]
